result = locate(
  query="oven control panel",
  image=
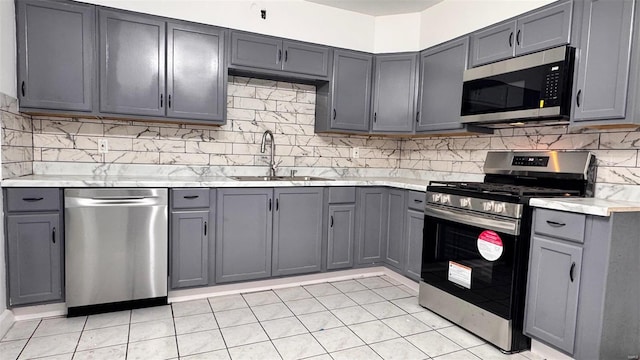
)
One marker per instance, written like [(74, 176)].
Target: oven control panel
[(467, 203), (540, 161)]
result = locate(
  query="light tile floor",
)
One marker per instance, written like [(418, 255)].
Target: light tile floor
[(366, 318)]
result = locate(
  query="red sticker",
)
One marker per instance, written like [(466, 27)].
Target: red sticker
[(490, 245)]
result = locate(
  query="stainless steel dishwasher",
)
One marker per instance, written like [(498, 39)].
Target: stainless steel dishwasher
[(116, 249)]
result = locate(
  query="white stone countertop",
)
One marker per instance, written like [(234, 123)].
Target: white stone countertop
[(197, 181), (589, 206)]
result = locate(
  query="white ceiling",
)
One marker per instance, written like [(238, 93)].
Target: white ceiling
[(379, 7)]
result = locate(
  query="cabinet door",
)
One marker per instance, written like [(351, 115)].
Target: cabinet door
[(305, 58), (195, 72), (414, 237), (243, 234), (351, 90), (603, 66), (256, 51), (552, 292), (297, 230), (544, 29), (132, 64), (34, 243), (189, 248), (394, 93), (55, 54), (372, 224), (395, 241), (493, 44), (441, 72), (341, 236)]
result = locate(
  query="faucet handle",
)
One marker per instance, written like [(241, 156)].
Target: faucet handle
[(293, 172)]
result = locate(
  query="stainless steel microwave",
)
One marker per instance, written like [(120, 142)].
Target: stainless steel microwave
[(527, 90)]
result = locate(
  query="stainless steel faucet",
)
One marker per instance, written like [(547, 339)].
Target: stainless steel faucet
[(263, 146)]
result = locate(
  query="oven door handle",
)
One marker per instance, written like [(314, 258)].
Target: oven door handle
[(504, 226)]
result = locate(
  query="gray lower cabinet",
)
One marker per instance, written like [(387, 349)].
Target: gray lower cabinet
[(132, 63), (394, 93), (343, 104), (583, 288), (297, 230), (603, 64), (34, 244), (371, 215), (196, 72), (552, 294), (441, 71), (395, 239), (414, 225), (55, 54), (270, 53), (341, 236), (243, 234), (189, 248)]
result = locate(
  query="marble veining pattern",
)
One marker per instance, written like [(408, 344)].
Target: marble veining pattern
[(17, 151)]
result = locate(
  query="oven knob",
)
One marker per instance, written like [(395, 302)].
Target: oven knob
[(465, 202), (499, 207), (446, 199), (487, 205), (436, 197)]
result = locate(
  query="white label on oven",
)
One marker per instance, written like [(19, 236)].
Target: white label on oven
[(490, 245), (460, 274)]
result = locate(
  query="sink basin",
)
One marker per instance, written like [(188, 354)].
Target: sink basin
[(279, 178)]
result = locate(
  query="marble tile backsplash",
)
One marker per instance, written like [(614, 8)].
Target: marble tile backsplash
[(253, 106), (17, 139), (68, 145)]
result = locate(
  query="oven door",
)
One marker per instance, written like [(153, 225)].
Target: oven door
[(471, 256)]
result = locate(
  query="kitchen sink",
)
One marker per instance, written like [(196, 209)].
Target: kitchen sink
[(279, 178)]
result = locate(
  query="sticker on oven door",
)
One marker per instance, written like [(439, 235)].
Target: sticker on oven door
[(490, 245), (459, 274)]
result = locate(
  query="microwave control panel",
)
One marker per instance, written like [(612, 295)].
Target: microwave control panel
[(552, 88)]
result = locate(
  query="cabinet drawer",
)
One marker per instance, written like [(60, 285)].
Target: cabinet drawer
[(560, 224), (415, 200), (342, 195), (33, 199), (190, 198)]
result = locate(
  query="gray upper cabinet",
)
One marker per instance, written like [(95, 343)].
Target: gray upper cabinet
[(394, 93), (265, 52), (395, 240), (371, 207), (351, 93), (341, 236), (196, 75), (34, 244), (537, 30), (55, 54), (132, 64), (493, 44), (552, 292), (414, 237), (305, 58), (544, 29), (256, 51), (243, 234), (297, 230), (441, 71), (603, 64), (189, 248)]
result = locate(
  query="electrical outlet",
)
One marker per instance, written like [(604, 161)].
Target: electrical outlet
[(355, 153), (103, 146)]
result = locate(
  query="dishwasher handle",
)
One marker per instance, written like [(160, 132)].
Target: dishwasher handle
[(126, 201)]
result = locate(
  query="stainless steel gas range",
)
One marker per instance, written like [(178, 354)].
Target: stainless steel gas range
[(476, 239)]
